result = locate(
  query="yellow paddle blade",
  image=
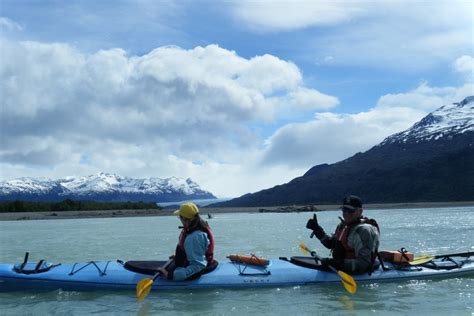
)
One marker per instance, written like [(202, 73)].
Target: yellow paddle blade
[(304, 249), (143, 288), (349, 283), (421, 260)]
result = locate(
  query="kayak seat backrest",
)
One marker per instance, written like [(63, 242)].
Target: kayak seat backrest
[(307, 262), (145, 267), (151, 267)]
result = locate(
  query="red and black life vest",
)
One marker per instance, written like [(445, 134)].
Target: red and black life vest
[(341, 249), (180, 254)]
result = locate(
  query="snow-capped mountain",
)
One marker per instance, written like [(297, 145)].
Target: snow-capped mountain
[(449, 120), (430, 162), (102, 187)]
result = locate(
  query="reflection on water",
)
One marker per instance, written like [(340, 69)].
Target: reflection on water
[(145, 309), (346, 302)]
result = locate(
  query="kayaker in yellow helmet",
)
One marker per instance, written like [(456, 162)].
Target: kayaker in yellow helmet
[(195, 250)]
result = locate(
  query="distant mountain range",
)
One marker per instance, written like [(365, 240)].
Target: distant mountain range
[(103, 187), (433, 161)]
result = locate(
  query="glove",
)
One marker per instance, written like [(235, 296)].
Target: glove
[(312, 223), (314, 226), (336, 264)]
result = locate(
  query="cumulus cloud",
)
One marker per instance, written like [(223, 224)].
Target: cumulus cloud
[(108, 111), (310, 99), (331, 137), (425, 97), (465, 65), (167, 88)]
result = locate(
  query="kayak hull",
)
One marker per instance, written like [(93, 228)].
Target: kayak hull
[(112, 275)]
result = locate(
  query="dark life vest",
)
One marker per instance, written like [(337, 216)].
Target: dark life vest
[(341, 248), (180, 258)]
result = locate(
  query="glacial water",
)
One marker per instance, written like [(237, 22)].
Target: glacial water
[(423, 231)]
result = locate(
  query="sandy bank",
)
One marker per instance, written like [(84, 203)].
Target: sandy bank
[(205, 211)]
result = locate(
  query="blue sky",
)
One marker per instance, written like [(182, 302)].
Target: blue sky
[(238, 95)]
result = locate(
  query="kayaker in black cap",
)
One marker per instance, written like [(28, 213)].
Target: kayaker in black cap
[(354, 244)]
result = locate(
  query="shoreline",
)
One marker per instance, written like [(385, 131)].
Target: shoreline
[(18, 216)]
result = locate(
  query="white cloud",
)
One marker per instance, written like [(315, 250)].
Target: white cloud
[(65, 112), (268, 15), (465, 65), (270, 74), (206, 84), (290, 15), (21, 75), (425, 97), (333, 137), (9, 25), (310, 99)]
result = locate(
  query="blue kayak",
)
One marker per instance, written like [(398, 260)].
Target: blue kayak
[(118, 275)]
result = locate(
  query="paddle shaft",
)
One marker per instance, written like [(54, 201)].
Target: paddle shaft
[(319, 258), (315, 256)]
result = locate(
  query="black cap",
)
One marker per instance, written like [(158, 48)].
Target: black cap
[(351, 202)]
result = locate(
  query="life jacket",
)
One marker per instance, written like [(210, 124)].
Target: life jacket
[(181, 259), (342, 250)]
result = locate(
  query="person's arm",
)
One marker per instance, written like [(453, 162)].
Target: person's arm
[(364, 241), (327, 241), (195, 245)]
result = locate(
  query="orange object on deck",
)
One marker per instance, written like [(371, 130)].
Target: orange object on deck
[(252, 259), (396, 256)]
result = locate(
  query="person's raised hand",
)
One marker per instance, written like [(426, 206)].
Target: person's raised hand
[(313, 223)]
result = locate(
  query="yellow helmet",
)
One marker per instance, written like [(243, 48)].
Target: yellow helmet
[(187, 210)]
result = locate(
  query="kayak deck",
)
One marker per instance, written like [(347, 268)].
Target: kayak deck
[(112, 275)]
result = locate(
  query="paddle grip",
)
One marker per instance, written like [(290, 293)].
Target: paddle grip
[(164, 266)]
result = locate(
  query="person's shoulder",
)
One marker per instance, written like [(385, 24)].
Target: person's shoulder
[(365, 227), (197, 232), (197, 235)]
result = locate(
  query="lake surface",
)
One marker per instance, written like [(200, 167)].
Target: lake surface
[(422, 231)]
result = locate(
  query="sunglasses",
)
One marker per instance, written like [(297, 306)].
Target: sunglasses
[(348, 210)]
